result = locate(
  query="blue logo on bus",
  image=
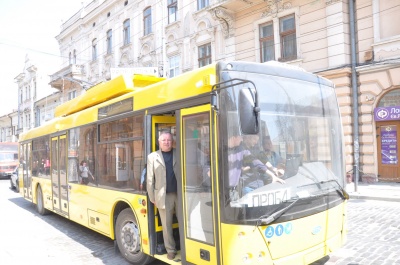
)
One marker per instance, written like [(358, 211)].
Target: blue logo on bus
[(288, 228), (269, 232), (316, 230), (279, 230)]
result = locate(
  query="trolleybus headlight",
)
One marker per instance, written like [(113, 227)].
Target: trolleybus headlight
[(261, 257), (241, 235), (247, 258)]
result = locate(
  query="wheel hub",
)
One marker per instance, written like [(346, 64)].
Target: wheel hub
[(130, 237)]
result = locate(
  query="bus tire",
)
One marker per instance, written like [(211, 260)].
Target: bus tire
[(40, 202), (128, 238), (11, 184), (17, 186)]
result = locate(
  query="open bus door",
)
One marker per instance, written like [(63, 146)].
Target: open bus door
[(158, 124), (25, 160), (200, 242), (58, 172)]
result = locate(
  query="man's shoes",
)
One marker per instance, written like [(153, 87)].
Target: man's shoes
[(171, 256)]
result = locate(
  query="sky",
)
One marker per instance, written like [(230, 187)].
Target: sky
[(28, 28)]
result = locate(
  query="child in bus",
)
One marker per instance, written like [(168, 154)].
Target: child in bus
[(85, 172)]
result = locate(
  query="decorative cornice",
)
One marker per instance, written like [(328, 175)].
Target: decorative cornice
[(225, 19), (330, 2), (276, 6)]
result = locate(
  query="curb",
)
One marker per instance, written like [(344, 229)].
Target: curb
[(367, 197)]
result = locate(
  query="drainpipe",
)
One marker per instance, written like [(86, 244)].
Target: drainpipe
[(11, 130), (356, 144)]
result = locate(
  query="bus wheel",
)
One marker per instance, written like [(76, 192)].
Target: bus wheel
[(17, 186), (11, 184), (40, 202), (128, 238)]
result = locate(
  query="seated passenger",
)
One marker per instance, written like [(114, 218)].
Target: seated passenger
[(241, 160), (271, 158)]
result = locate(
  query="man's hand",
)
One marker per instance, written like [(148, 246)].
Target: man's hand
[(276, 179)]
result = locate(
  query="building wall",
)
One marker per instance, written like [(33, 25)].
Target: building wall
[(33, 84), (45, 108), (8, 127), (192, 28)]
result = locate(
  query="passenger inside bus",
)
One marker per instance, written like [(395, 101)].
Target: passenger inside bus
[(85, 172), (251, 178), (267, 154), (241, 160)]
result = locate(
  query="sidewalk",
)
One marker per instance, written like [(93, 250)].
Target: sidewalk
[(382, 191)]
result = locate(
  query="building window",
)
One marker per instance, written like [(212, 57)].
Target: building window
[(174, 69), (71, 95), (74, 56), (204, 54), (109, 41), (172, 8), (278, 39), (202, 4), (70, 58), (127, 32), (287, 31), (94, 50), (267, 47), (147, 21), (391, 98)]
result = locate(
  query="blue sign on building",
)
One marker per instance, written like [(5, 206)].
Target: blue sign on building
[(387, 113)]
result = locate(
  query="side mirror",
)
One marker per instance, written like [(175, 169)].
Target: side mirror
[(249, 111)]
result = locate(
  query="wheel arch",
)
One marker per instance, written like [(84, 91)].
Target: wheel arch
[(118, 207)]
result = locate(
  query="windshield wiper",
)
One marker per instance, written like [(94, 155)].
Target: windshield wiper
[(342, 192), (267, 219)]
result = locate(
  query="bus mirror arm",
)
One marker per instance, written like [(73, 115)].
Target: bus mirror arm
[(214, 101)]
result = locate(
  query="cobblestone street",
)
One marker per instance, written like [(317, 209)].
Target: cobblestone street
[(374, 234)]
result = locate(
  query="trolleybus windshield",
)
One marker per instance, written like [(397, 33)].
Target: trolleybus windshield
[(299, 139)]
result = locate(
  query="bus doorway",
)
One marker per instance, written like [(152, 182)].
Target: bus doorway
[(159, 124), (198, 207), (58, 169), (388, 137), (25, 160)]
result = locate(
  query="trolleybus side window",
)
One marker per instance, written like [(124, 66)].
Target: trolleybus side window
[(121, 153), (82, 148), (41, 161)]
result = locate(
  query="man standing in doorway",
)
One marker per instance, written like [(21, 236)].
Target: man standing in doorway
[(162, 187)]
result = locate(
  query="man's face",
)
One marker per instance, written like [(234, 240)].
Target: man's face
[(234, 141), (251, 140), (165, 142)]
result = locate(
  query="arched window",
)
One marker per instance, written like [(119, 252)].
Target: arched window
[(391, 98)]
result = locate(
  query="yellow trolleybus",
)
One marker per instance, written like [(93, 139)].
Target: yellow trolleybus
[(229, 211)]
